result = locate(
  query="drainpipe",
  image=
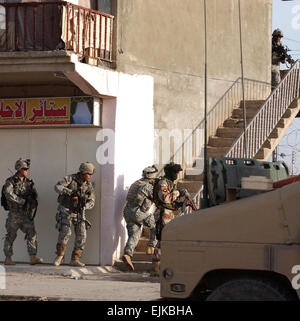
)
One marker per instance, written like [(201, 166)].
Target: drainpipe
[(205, 187), (243, 87)]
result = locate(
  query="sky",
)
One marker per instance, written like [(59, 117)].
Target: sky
[(286, 16)]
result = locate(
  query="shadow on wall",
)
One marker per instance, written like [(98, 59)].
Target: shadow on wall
[(120, 230)]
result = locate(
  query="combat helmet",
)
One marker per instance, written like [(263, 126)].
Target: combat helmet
[(86, 168), (22, 163), (277, 33), (150, 172)]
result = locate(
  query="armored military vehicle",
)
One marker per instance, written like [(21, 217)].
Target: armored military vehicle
[(244, 246)]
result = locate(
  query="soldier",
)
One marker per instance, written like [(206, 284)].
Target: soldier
[(21, 199), (138, 211), (76, 194), (168, 200), (279, 55)]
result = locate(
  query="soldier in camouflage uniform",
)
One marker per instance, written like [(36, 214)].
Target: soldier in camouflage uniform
[(276, 57), (168, 200), (76, 194), (138, 211), (18, 191)]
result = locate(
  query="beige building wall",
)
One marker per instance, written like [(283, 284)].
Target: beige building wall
[(165, 39)]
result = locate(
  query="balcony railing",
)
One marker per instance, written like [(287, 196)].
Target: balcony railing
[(56, 26)]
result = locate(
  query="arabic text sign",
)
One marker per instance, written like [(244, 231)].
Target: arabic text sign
[(35, 111)]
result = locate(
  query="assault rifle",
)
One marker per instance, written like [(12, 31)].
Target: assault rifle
[(188, 200), (282, 51), (78, 208)]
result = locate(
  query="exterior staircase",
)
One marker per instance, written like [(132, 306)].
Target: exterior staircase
[(230, 132), (232, 128)]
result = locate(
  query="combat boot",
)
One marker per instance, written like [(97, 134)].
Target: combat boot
[(60, 252), (150, 250), (155, 268), (76, 255), (127, 260), (8, 261), (35, 260)]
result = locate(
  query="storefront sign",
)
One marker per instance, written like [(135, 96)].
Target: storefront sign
[(50, 111)]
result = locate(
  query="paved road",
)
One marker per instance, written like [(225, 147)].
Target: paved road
[(109, 286)]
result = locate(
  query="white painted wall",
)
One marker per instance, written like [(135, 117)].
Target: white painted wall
[(131, 116)]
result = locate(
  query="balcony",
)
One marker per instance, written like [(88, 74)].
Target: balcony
[(50, 26)]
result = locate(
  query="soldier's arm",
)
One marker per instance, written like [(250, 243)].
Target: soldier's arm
[(90, 203), (61, 186), (10, 195)]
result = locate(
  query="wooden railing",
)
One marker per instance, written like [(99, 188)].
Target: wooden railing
[(43, 26)]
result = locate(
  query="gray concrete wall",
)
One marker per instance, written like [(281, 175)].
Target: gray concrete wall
[(167, 42)]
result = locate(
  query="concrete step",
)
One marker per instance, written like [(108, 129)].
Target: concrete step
[(216, 141), (238, 113), (216, 151), (282, 123), (191, 186), (294, 104), (287, 114), (193, 177), (252, 103), (228, 132), (235, 123), (139, 266), (261, 154), (141, 257), (267, 143), (193, 173), (142, 245), (275, 133), (146, 232)]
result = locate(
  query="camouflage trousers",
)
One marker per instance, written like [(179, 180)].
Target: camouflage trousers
[(64, 224), (14, 222), (135, 219), (275, 76), (165, 216)]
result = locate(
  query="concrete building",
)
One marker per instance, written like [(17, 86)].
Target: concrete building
[(142, 66)]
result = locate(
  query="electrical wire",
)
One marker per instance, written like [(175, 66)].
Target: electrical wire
[(291, 39)]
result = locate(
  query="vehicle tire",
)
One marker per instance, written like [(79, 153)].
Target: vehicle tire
[(250, 289)]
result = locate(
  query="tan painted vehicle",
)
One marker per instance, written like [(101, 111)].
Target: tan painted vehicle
[(243, 249)]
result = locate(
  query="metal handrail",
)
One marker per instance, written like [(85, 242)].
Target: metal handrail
[(255, 90), (263, 123)]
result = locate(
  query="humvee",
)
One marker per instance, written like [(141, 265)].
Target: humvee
[(244, 246)]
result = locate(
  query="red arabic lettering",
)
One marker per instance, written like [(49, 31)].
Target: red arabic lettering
[(21, 110), (59, 112), (38, 113), (5, 111)]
